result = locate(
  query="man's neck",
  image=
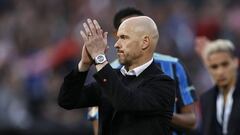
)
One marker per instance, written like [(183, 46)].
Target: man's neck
[(137, 63), (226, 89)]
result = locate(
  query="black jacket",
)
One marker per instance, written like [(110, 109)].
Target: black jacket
[(140, 105), (208, 109)]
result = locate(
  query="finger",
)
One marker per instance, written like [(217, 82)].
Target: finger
[(101, 31), (87, 30), (83, 36), (97, 26), (105, 35), (106, 50), (92, 27)]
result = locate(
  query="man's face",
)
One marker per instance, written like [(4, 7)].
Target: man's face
[(222, 67), (128, 44)]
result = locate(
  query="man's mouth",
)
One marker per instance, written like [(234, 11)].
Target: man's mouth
[(221, 79), (119, 52)]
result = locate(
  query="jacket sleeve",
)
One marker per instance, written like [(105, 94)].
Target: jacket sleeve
[(157, 93), (73, 94)]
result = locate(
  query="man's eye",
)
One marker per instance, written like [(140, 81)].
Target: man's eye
[(123, 37), (225, 64), (214, 66)]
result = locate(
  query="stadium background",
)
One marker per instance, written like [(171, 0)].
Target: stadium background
[(40, 43)]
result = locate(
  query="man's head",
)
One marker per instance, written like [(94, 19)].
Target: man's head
[(221, 62), (123, 14), (137, 40)]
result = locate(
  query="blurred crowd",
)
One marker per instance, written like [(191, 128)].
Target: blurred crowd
[(40, 43)]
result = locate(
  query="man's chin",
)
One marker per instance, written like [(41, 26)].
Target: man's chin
[(223, 84), (121, 62)]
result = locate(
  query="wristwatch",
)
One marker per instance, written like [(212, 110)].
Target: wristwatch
[(99, 59)]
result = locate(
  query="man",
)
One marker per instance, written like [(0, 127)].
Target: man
[(184, 117), (137, 99), (220, 106)]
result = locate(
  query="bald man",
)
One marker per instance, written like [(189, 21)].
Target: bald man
[(137, 99)]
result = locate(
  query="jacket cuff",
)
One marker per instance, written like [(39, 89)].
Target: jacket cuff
[(103, 76)]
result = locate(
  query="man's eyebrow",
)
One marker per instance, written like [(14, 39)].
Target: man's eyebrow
[(122, 36)]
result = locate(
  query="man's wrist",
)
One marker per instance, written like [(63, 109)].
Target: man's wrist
[(100, 66), (100, 59), (96, 54), (83, 67)]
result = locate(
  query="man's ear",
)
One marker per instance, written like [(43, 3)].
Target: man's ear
[(146, 42), (236, 62)]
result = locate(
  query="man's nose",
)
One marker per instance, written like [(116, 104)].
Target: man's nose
[(117, 45), (220, 70)]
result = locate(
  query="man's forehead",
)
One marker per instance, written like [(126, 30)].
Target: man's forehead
[(220, 54), (123, 30), (123, 25), (219, 57), (128, 23)]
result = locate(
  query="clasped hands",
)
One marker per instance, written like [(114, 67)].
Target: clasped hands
[(95, 42)]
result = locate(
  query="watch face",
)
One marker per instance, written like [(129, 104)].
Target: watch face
[(100, 59)]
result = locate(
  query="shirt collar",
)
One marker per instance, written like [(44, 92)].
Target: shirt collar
[(224, 110), (136, 71)]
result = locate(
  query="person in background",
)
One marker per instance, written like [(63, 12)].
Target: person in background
[(200, 43), (184, 117), (220, 105)]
